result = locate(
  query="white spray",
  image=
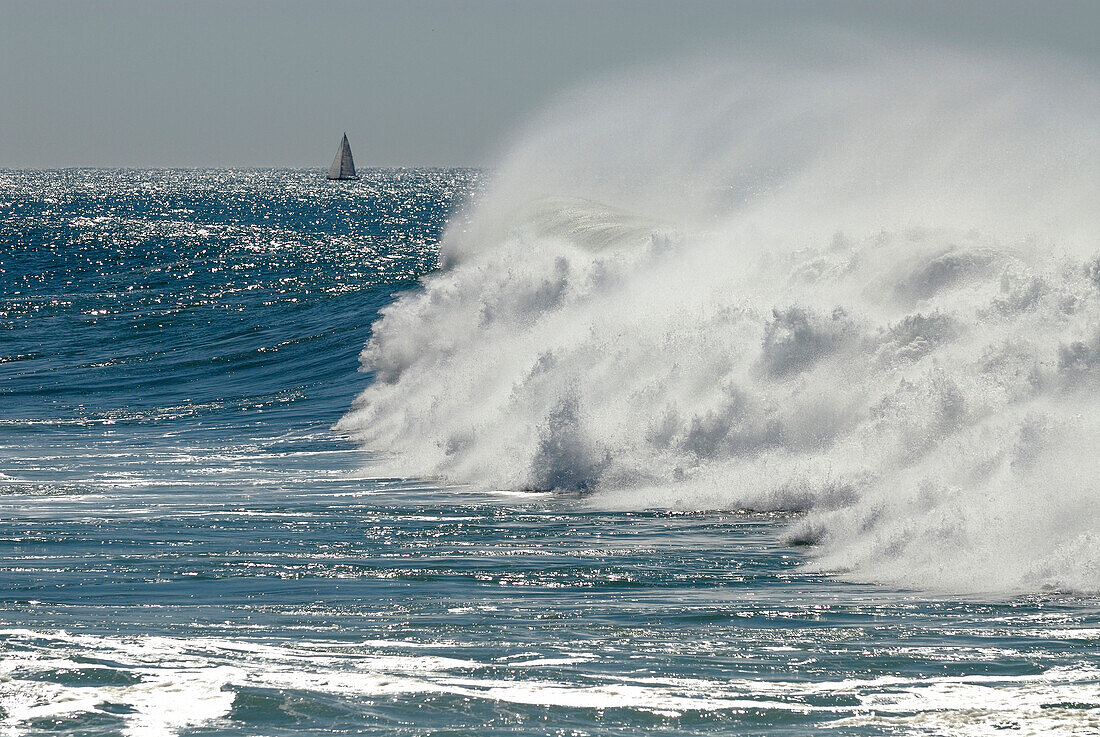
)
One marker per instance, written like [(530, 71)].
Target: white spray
[(859, 287)]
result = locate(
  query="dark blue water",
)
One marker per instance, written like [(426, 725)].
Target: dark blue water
[(187, 548)]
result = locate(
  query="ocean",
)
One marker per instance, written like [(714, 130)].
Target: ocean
[(191, 543)]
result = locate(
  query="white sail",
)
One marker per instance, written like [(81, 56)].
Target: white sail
[(343, 167)]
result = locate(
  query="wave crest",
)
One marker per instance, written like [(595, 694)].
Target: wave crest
[(865, 300)]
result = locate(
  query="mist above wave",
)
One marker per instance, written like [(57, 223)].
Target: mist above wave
[(860, 287)]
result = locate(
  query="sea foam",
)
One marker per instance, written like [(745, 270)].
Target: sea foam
[(862, 286)]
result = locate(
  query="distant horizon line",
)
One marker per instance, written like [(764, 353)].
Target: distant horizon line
[(234, 168)]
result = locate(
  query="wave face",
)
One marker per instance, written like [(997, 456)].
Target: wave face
[(862, 288), (143, 299)]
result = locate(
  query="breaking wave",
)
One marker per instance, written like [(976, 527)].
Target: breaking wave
[(860, 286)]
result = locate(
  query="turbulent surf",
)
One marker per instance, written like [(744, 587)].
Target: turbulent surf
[(731, 286)]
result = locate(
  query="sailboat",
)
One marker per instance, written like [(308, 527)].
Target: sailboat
[(342, 166)]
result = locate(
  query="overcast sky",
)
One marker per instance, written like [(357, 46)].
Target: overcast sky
[(413, 82)]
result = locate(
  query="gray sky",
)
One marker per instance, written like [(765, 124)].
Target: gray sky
[(413, 82)]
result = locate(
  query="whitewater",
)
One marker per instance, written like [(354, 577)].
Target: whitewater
[(859, 286)]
